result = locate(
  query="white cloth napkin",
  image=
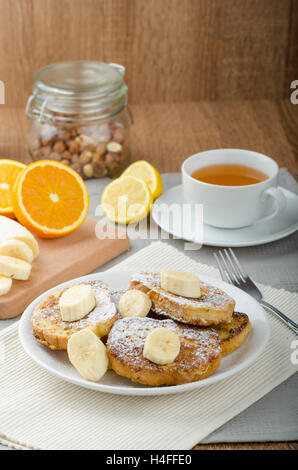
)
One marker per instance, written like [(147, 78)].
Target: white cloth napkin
[(40, 411)]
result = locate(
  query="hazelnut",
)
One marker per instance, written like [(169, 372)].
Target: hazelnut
[(100, 150), (118, 135), (87, 142), (59, 146), (73, 132), (91, 150), (54, 156), (44, 142), (77, 167), (66, 155), (88, 170), (97, 158), (74, 146), (99, 169), (121, 157), (86, 157), (110, 158), (111, 161), (37, 155), (46, 150), (64, 134), (75, 158)]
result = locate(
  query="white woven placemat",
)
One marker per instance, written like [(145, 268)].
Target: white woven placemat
[(38, 410)]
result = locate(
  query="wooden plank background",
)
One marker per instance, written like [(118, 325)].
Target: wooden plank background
[(166, 134), (174, 50)]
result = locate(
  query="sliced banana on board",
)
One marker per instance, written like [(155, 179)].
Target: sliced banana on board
[(15, 268), (10, 228), (76, 302), (134, 303), (180, 283), (162, 346), (5, 284), (17, 249), (88, 355)]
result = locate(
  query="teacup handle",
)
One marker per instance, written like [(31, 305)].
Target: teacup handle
[(280, 200)]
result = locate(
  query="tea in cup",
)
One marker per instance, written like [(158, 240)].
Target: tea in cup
[(236, 187)]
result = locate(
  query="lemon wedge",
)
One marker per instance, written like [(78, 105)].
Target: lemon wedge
[(146, 172), (126, 199)]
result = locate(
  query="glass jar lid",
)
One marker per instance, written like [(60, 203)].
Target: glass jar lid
[(82, 88)]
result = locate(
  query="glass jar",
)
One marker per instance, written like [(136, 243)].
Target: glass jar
[(79, 116)]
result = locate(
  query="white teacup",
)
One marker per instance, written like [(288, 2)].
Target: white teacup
[(234, 206)]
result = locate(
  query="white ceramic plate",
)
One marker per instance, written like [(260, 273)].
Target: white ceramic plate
[(257, 234), (57, 363)]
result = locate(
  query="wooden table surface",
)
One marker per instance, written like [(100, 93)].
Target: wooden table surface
[(165, 134)]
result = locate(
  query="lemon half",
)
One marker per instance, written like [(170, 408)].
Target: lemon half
[(126, 199), (146, 172)]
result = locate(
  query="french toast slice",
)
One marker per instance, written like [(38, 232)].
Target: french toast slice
[(199, 356), (233, 334), (51, 331), (212, 308)]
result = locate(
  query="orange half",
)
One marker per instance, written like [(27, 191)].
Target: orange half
[(50, 199), (9, 172)]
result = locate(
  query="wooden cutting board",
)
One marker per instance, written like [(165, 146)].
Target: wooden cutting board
[(60, 260)]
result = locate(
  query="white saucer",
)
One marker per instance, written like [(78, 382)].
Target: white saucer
[(57, 363), (257, 234)]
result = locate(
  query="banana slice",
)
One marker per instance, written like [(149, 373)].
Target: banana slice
[(10, 228), (180, 283), (76, 302), (134, 303), (31, 242), (15, 268), (5, 284), (16, 249), (162, 346), (88, 355)]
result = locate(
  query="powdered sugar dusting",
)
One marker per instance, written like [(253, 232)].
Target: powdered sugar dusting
[(104, 310), (127, 338), (211, 296)]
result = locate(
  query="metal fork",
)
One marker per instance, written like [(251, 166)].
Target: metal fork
[(231, 271)]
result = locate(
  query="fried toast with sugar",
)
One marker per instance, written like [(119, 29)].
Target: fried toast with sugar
[(51, 331), (199, 356), (231, 335), (213, 307)]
